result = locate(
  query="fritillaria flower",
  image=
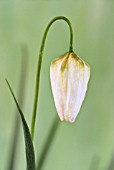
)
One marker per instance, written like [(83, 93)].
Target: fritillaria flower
[(69, 76)]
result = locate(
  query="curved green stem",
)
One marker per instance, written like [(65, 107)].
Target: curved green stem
[(40, 62)]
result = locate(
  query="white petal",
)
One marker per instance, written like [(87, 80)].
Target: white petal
[(78, 76), (69, 78), (57, 86)]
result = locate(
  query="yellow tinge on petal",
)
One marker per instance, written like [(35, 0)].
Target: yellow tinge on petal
[(69, 77)]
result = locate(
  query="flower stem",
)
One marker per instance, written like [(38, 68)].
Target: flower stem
[(40, 63)]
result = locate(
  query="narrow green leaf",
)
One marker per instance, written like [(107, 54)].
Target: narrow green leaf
[(49, 140), (21, 95), (30, 156)]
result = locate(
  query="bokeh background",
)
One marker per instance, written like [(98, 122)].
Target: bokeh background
[(88, 143)]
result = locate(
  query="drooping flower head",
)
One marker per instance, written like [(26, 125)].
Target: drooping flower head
[(69, 76)]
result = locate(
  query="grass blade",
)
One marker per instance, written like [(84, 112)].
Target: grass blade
[(21, 95), (30, 157), (48, 143)]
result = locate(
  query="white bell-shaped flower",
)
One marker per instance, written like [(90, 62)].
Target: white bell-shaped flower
[(69, 77)]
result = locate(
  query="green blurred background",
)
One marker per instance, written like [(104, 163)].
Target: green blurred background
[(89, 142)]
